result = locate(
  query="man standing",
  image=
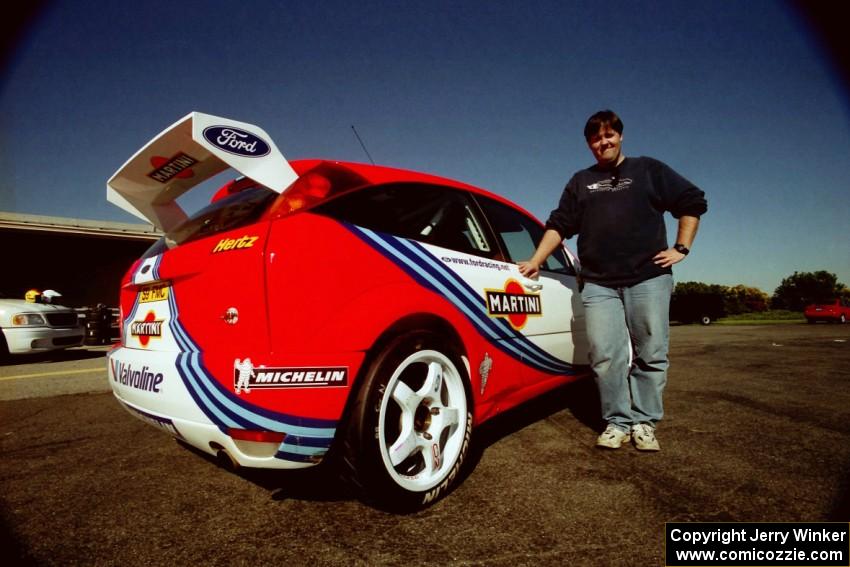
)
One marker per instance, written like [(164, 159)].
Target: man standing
[(616, 208)]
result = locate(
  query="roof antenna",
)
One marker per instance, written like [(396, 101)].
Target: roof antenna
[(362, 144)]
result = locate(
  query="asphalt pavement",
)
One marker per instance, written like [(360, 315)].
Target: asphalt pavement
[(71, 371), (757, 429)]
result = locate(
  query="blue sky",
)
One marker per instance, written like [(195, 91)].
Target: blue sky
[(737, 96)]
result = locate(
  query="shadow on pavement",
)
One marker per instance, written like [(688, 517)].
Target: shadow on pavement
[(580, 398), (841, 511), (323, 483), (320, 483), (13, 552), (64, 355)]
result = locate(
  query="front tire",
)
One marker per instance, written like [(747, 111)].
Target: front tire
[(705, 320), (411, 424)]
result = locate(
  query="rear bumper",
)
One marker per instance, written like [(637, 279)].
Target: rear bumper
[(39, 339), (173, 392), (822, 316)]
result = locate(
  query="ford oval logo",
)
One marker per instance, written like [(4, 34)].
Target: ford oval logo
[(235, 141)]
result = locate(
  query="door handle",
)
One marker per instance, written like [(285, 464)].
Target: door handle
[(531, 285)]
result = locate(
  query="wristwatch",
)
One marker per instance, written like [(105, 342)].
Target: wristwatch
[(681, 248)]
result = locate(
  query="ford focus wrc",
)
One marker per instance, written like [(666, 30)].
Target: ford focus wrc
[(319, 306)]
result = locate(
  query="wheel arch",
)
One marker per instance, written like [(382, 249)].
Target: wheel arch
[(407, 324)]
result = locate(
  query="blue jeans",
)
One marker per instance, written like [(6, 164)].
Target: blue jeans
[(630, 387)]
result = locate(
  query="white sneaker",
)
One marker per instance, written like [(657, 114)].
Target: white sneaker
[(644, 437), (613, 437)]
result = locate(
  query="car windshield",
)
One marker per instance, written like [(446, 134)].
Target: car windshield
[(230, 212)]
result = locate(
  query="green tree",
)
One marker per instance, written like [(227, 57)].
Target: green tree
[(696, 288), (744, 299), (804, 288), (692, 301)]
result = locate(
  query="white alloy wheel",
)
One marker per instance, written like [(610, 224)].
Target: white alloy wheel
[(422, 420)]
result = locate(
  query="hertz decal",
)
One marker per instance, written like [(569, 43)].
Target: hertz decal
[(513, 303), (226, 244)]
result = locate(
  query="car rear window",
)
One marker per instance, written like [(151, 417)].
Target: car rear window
[(233, 211)]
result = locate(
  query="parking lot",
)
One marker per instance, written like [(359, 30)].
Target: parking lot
[(757, 429)]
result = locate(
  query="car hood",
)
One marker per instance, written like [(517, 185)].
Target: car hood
[(9, 307)]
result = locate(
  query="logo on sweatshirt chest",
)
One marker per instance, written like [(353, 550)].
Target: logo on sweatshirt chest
[(610, 185)]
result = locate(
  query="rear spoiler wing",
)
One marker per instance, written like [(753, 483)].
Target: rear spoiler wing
[(190, 151)]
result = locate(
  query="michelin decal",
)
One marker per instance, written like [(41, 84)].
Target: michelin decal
[(246, 376)]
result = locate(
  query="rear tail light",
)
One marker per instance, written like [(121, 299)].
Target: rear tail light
[(309, 189), (256, 436), (121, 322)]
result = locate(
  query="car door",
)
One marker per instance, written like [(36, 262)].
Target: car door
[(438, 235), (558, 328)]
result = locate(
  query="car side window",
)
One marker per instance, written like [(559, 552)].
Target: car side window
[(520, 235), (427, 213)]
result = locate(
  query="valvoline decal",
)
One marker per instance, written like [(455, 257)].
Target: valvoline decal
[(236, 141)]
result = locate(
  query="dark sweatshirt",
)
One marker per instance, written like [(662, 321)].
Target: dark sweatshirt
[(619, 218)]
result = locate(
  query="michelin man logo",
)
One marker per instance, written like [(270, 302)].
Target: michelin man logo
[(245, 371)]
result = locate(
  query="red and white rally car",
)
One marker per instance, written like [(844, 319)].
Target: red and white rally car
[(320, 305)]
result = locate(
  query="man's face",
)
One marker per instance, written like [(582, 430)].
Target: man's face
[(605, 146)]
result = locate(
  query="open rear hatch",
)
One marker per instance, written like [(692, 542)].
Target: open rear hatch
[(184, 286), (190, 151)]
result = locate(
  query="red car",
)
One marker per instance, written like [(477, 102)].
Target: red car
[(318, 307), (836, 312)]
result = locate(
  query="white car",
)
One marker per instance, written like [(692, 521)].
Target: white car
[(37, 327)]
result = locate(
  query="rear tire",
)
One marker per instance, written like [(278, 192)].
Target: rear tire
[(705, 320), (410, 425)]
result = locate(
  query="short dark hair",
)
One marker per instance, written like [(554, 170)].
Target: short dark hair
[(600, 120)]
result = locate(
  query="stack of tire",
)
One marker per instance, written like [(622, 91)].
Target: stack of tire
[(98, 325)]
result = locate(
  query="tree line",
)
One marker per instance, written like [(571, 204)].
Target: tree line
[(793, 294)]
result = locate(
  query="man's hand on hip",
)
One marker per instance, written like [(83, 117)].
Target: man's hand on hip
[(667, 258)]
